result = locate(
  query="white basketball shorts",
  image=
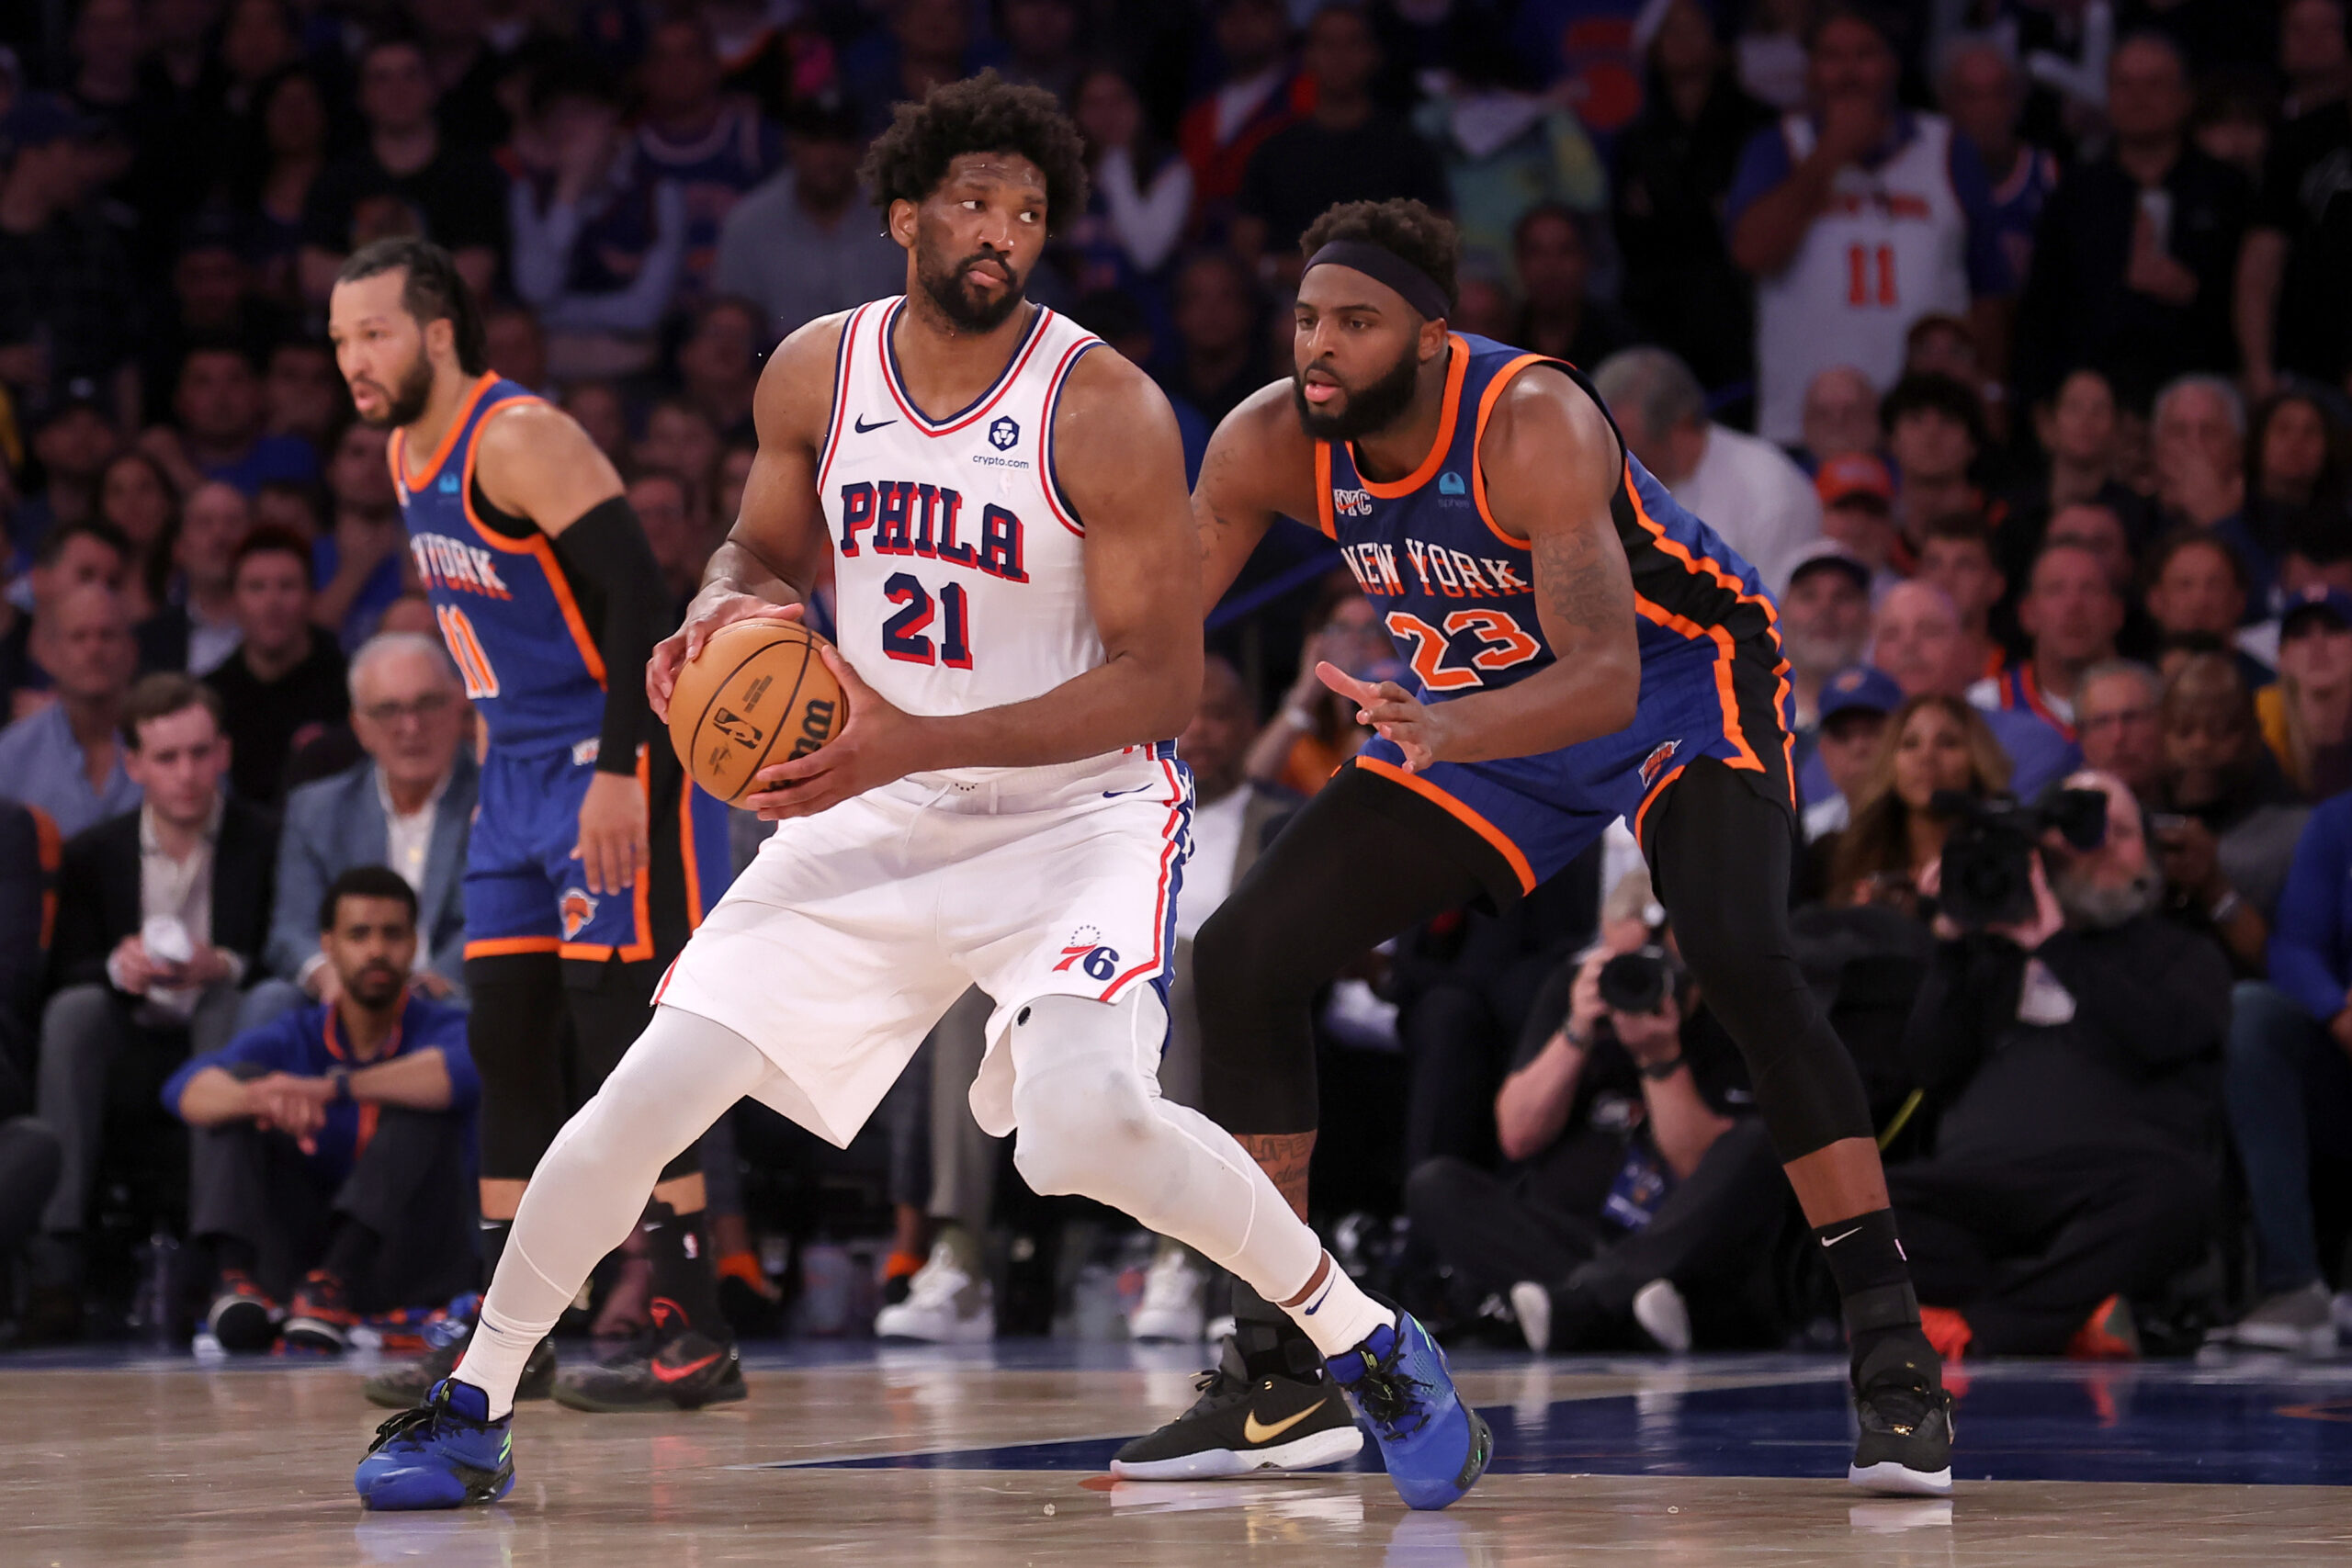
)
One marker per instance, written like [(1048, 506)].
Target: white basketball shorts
[(856, 928)]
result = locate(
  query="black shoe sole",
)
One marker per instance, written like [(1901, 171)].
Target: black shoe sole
[(728, 1391)]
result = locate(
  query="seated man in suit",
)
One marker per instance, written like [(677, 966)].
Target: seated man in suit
[(332, 1148), (406, 804), (160, 920)]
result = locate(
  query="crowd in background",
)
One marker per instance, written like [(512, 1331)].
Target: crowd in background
[(2011, 341)]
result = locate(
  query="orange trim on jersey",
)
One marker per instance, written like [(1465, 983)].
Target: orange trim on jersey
[(1435, 459), (397, 450), (1461, 812), (537, 545), (686, 855), (640, 949), (501, 946), (1487, 402), (1323, 517), (1656, 790)]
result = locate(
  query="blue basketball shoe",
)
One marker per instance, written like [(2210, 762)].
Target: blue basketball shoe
[(1435, 1447), (445, 1453)]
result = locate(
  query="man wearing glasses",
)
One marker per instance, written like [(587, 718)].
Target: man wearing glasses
[(407, 806)]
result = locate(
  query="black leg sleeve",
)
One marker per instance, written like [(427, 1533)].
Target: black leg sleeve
[(514, 1031), (1363, 860), (1719, 856)]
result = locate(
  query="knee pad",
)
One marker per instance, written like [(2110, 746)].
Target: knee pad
[(1085, 1088)]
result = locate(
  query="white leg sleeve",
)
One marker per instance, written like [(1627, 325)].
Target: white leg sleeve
[(592, 1184), (1091, 1122)]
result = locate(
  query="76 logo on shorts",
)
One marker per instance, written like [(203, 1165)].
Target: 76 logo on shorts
[(1100, 963)]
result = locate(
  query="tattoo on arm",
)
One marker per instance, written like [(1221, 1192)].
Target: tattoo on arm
[(1579, 579), (1284, 1157)]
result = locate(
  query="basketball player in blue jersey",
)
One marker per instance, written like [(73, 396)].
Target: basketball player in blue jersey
[(1020, 632), (590, 858), (1582, 649)]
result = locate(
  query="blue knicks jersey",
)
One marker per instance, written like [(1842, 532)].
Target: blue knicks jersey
[(1458, 598), (507, 613)]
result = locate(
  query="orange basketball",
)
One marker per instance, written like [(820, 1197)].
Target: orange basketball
[(756, 694)]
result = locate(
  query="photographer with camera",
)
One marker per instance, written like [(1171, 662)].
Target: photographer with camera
[(2069, 1039), (1934, 745), (1639, 1203)]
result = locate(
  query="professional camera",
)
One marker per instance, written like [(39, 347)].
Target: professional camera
[(1640, 981), (1988, 856)]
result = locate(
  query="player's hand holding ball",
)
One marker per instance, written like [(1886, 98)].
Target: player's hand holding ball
[(713, 608), (1417, 728), (880, 744)]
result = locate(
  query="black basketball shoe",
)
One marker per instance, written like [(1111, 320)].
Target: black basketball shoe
[(405, 1387), (1240, 1424), (686, 1371), (1904, 1449)]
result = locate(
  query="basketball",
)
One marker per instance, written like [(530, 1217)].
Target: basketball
[(757, 693)]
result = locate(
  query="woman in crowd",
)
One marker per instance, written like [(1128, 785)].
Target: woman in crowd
[(135, 494), (1316, 728), (1142, 192), (1935, 742)]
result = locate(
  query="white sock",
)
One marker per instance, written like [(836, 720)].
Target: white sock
[(494, 1358), (1339, 1316)]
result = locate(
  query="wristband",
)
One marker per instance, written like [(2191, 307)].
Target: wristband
[(1659, 1072), (340, 1078)]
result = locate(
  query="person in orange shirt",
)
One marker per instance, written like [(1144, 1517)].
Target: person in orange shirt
[(1315, 730)]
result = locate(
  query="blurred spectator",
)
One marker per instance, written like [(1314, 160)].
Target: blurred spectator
[(1632, 1206), (2291, 314), (1946, 346), (1344, 149), (1674, 166), (1857, 496), (2197, 584), (1917, 637), (71, 554), (212, 302), (69, 304), (682, 545), (517, 345), (403, 180), (407, 803), (782, 56), (1982, 94), (332, 1147), (1219, 357), (72, 445), (1041, 39), (1256, 94), (734, 470), (141, 499), (2226, 822), (718, 363), (161, 913), (291, 111), (1825, 621), (2073, 1059), (2070, 615), (302, 392), (713, 145), (1505, 150), (1854, 708), (1857, 220), (220, 433), (1933, 742), (1744, 488), (2078, 428), (466, 70), (64, 759), (927, 43), (806, 245), (1956, 554), (195, 630), (599, 244), (285, 683), (2132, 267), (596, 404), (357, 562), (2307, 714), (2090, 526), (1935, 432), (2297, 472), (1141, 195), (1315, 730), (1840, 416), (2231, 123), (2119, 714), (1554, 266), (2291, 1084), (2198, 446), (1771, 50), (680, 436)]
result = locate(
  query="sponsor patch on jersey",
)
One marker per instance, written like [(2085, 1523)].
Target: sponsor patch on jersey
[(584, 751), (449, 485), (1351, 503), (1450, 484), (575, 909), (1004, 433), (1655, 764)]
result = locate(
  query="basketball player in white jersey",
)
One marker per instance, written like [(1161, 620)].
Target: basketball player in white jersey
[(1017, 584), (1857, 218)]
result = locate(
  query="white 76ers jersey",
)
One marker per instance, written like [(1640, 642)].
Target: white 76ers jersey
[(959, 568)]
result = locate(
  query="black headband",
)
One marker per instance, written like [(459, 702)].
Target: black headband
[(1384, 265)]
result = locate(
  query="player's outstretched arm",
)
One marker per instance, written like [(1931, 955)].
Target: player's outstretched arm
[(772, 556), (1552, 466), (1259, 466)]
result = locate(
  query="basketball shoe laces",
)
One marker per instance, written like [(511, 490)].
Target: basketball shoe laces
[(420, 1420), (1388, 1396)]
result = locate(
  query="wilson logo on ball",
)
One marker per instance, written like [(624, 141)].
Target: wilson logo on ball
[(816, 727)]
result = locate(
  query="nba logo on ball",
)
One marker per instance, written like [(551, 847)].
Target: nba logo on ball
[(1004, 434)]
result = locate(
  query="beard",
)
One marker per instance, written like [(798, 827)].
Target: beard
[(1369, 408), (2092, 905), (1811, 650), (406, 405), (374, 987), (965, 307)]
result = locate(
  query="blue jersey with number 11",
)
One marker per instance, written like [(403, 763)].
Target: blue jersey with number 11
[(506, 609)]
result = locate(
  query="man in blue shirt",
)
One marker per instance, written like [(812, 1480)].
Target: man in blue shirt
[(332, 1145)]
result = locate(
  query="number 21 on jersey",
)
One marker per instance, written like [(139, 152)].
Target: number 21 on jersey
[(473, 661)]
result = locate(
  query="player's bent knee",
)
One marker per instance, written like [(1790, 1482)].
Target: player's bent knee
[(1084, 1106)]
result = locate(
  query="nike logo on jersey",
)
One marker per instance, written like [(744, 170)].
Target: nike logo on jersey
[(1256, 1431), (1115, 794), (863, 428)]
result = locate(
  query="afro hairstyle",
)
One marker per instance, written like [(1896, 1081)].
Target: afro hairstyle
[(981, 114), (1402, 226)]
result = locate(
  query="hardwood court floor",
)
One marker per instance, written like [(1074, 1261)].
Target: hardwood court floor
[(874, 1458)]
